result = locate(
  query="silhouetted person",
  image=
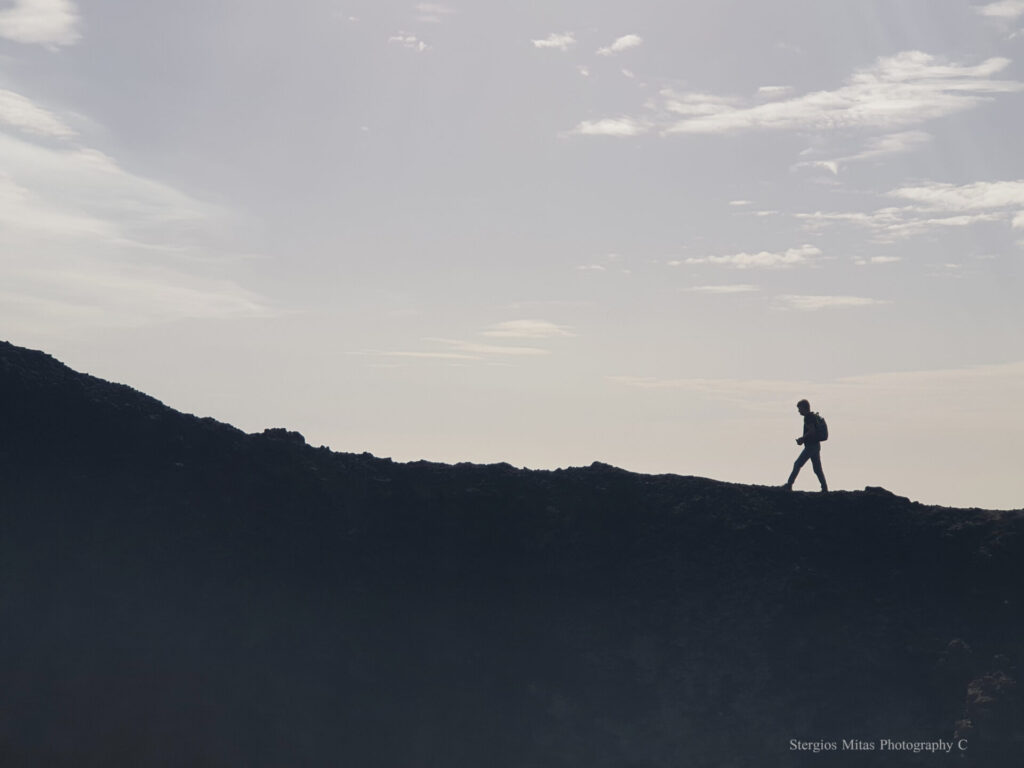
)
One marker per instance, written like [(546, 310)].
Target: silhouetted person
[(811, 442)]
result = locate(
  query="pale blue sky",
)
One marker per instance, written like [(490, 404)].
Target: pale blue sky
[(544, 233)]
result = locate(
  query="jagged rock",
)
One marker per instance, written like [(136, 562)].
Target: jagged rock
[(285, 435)]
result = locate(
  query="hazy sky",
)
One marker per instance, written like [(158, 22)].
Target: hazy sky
[(543, 233)]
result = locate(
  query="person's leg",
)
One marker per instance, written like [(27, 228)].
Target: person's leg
[(816, 465), (800, 461)]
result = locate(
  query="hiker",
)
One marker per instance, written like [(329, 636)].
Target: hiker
[(814, 432)]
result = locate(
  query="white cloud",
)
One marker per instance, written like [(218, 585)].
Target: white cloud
[(980, 195), (561, 41), (585, 71), (628, 73), (876, 147), (43, 22), (792, 257), (696, 104), (22, 113), (934, 205), (1005, 9), (409, 41), (774, 91), (623, 43), (1018, 221), (814, 303), (897, 91), (891, 144), (740, 288), (739, 202), (612, 126), (527, 329)]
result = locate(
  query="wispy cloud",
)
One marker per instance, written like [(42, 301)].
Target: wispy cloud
[(468, 350), (612, 126), (22, 113), (895, 92), (791, 257), (774, 91), (901, 90), (42, 22), (620, 44), (738, 288), (877, 147), (561, 41), (527, 329), (815, 303), (88, 243), (878, 260), (980, 195), (457, 349), (933, 205), (1005, 9), (95, 293), (410, 41)]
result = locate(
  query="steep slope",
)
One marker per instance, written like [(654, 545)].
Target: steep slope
[(176, 592)]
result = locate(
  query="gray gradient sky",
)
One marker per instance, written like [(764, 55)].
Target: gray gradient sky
[(542, 233)]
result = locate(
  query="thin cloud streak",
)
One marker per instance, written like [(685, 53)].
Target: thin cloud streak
[(815, 303), (792, 257), (527, 329), (966, 204), (875, 148), (725, 289)]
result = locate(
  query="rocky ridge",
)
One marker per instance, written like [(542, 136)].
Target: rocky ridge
[(174, 591)]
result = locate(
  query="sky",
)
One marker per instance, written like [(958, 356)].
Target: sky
[(546, 233)]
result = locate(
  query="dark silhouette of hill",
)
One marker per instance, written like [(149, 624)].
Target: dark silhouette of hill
[(174, 592)]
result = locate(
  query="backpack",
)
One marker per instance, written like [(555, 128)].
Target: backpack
[(820, 427)]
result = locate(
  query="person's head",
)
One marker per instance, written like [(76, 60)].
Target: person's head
[(804, 407)]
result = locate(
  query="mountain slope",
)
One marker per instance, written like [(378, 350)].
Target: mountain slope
[(176, 592)]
